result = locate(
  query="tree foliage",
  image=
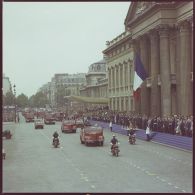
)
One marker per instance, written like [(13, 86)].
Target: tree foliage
[(22, 101), (9, 99), (38, 100), (61, 92)]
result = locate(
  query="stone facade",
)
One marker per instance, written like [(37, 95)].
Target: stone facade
[(162, 33), (6, 85), (96, 81), (71, 82), (120, 70)]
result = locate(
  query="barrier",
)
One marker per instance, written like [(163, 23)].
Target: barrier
[(177, 141)]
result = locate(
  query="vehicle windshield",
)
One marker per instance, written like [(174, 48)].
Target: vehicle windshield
[(38, 120), (93, 129)]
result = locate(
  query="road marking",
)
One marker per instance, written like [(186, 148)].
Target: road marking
[(176, 187), (183, 191), (92, 186), (170, 184)]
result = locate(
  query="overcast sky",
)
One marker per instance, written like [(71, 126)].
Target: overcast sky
[(42, 39)]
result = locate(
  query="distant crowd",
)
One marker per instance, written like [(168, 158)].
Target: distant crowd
[(180, 125)]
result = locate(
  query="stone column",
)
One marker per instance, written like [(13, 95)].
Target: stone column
[(119, 77), (111, 79), (185, 70), (178, 88), (128, 69), (129, 103), (155, 70), (115, 78), (123, 76), (165, 71), (119, 103), (144, 90), (124, 104)]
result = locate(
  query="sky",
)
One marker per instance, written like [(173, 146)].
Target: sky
[(41, 39)]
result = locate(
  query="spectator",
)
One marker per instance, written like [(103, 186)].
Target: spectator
[(110, 125), (148, 130)]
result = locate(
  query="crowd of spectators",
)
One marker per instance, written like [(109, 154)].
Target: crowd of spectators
[(180, 125)]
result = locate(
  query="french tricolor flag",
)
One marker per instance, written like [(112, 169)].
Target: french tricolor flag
[(139, 77)]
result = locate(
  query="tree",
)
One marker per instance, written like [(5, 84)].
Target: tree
[(61, 92), (31, 101), (38, 100), (22, 101), (9, 99), (4, 100)]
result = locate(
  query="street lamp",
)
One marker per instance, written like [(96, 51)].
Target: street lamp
[(15, 101)]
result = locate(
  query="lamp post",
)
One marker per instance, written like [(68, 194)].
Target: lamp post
[(15, 101)]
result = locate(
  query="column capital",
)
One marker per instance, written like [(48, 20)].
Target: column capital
[(184, 26), (163, 30), (153, 34)]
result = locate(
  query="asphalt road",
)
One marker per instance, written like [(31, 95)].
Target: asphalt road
[(33, 165)]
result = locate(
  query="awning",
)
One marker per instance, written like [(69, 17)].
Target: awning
[(91, 100)]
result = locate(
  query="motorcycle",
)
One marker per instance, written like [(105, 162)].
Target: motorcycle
[(132, 139), (56, 142), (115, 149)]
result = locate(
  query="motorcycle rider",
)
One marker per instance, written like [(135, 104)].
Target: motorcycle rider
[(55, 135), (131, 133), (113, 141)]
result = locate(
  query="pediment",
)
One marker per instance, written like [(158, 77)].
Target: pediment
[(136, 9)]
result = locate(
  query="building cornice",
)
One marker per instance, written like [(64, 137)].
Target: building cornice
[(119, 40), (155, 7)]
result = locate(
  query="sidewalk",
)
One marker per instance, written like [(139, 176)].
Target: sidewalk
[(176, 141)]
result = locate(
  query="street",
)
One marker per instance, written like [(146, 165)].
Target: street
[(33, 165)]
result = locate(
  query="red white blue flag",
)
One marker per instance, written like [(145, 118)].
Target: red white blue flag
[(139, 76)]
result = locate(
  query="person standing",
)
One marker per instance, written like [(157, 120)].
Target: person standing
[(110, 126), (148, 130)]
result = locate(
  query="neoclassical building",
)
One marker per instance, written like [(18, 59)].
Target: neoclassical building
[(96, 80), (162, 34), (71, 83), (6, 85)]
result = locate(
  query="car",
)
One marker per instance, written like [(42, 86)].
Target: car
[(79, 123), (29, 117), (92, 134), (49, 119), (59, 116), (39, 124), (68, 126), (7, 134)]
